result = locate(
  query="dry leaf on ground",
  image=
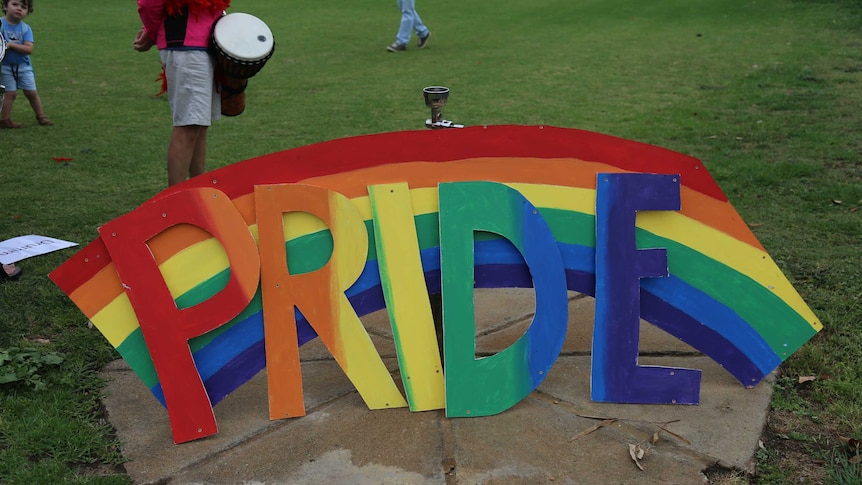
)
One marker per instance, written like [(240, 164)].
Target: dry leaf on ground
[(592, 428), (637, 453)]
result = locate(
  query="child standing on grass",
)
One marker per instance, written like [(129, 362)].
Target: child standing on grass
[(17, 72)]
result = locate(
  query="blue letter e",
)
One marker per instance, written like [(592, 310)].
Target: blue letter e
[(616, 375)]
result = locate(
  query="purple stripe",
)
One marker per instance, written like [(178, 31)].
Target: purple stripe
[(252, 360), (653, 309), (658, 312)]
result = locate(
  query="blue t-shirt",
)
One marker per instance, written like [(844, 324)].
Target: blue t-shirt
[(15, 34)]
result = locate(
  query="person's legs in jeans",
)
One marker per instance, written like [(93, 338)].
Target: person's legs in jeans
[(409, 21)]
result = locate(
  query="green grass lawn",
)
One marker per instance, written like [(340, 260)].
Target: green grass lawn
[(767, 93)]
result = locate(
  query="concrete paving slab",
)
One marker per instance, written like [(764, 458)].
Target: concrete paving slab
[(545, 438), (726, 425), (338, 443), (533, 443), (143, 426), (494, 336)]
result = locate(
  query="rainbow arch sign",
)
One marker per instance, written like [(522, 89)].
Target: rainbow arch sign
[(212, 280)]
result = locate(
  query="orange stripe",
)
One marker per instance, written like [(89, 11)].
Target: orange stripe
[(174, 240), (507, 170), (91, 301), (177, 238), (565, 172), (717, 214), (696, 205)]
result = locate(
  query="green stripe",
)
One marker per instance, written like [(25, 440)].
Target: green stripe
[(782, 328), (134, 351)]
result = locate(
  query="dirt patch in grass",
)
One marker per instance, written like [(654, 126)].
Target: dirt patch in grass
[(798, 447), (794, 449), (99, 470)]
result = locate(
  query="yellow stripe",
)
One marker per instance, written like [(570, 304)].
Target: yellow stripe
[(406, 295), (116, 320), (559, 197), (697, 235), (737, 255), (193, 265), (199, 262), (359, 358), (362, 364)]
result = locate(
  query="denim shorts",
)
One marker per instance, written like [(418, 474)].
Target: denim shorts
[(191, 89), (19, 76)]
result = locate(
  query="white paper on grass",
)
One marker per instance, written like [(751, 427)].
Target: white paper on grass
[(23, 247)]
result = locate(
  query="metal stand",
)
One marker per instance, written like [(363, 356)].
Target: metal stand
[(441, 124), (435, 98)]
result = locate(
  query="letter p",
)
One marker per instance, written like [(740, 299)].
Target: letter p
[(165, 327)]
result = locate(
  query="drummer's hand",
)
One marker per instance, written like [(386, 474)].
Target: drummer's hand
[(143, 42)]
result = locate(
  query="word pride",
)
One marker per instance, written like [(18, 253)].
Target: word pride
[(212, 280)]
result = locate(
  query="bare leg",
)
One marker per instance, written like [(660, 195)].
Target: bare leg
[(6, 111), (36, 104), (186, 153), (199, 157)]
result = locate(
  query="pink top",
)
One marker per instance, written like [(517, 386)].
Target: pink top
[(191, 30)]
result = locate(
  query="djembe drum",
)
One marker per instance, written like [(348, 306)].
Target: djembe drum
[(242, 44)]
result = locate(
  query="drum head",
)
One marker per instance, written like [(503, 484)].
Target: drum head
[(243, 37)]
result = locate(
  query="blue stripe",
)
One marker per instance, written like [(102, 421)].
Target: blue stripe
[(669, 303)]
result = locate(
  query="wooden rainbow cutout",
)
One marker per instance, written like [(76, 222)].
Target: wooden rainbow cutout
[(722, 293)]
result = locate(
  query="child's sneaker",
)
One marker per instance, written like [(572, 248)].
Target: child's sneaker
[(396, 47)]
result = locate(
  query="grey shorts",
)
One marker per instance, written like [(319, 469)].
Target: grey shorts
[(17, 77), (191, 89)]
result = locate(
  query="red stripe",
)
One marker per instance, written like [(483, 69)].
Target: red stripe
[(78, 269), (347, 154)]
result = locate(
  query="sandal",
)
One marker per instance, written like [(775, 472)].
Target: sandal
[(10, 272), (10, 124), (44, 121)]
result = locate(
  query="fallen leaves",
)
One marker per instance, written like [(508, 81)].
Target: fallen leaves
[(853, 448), (804, 379), (853, 445), (677, 436), (592, 428), (854, 208), (637, 451)]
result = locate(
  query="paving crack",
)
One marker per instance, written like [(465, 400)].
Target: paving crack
[(449, 463)]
